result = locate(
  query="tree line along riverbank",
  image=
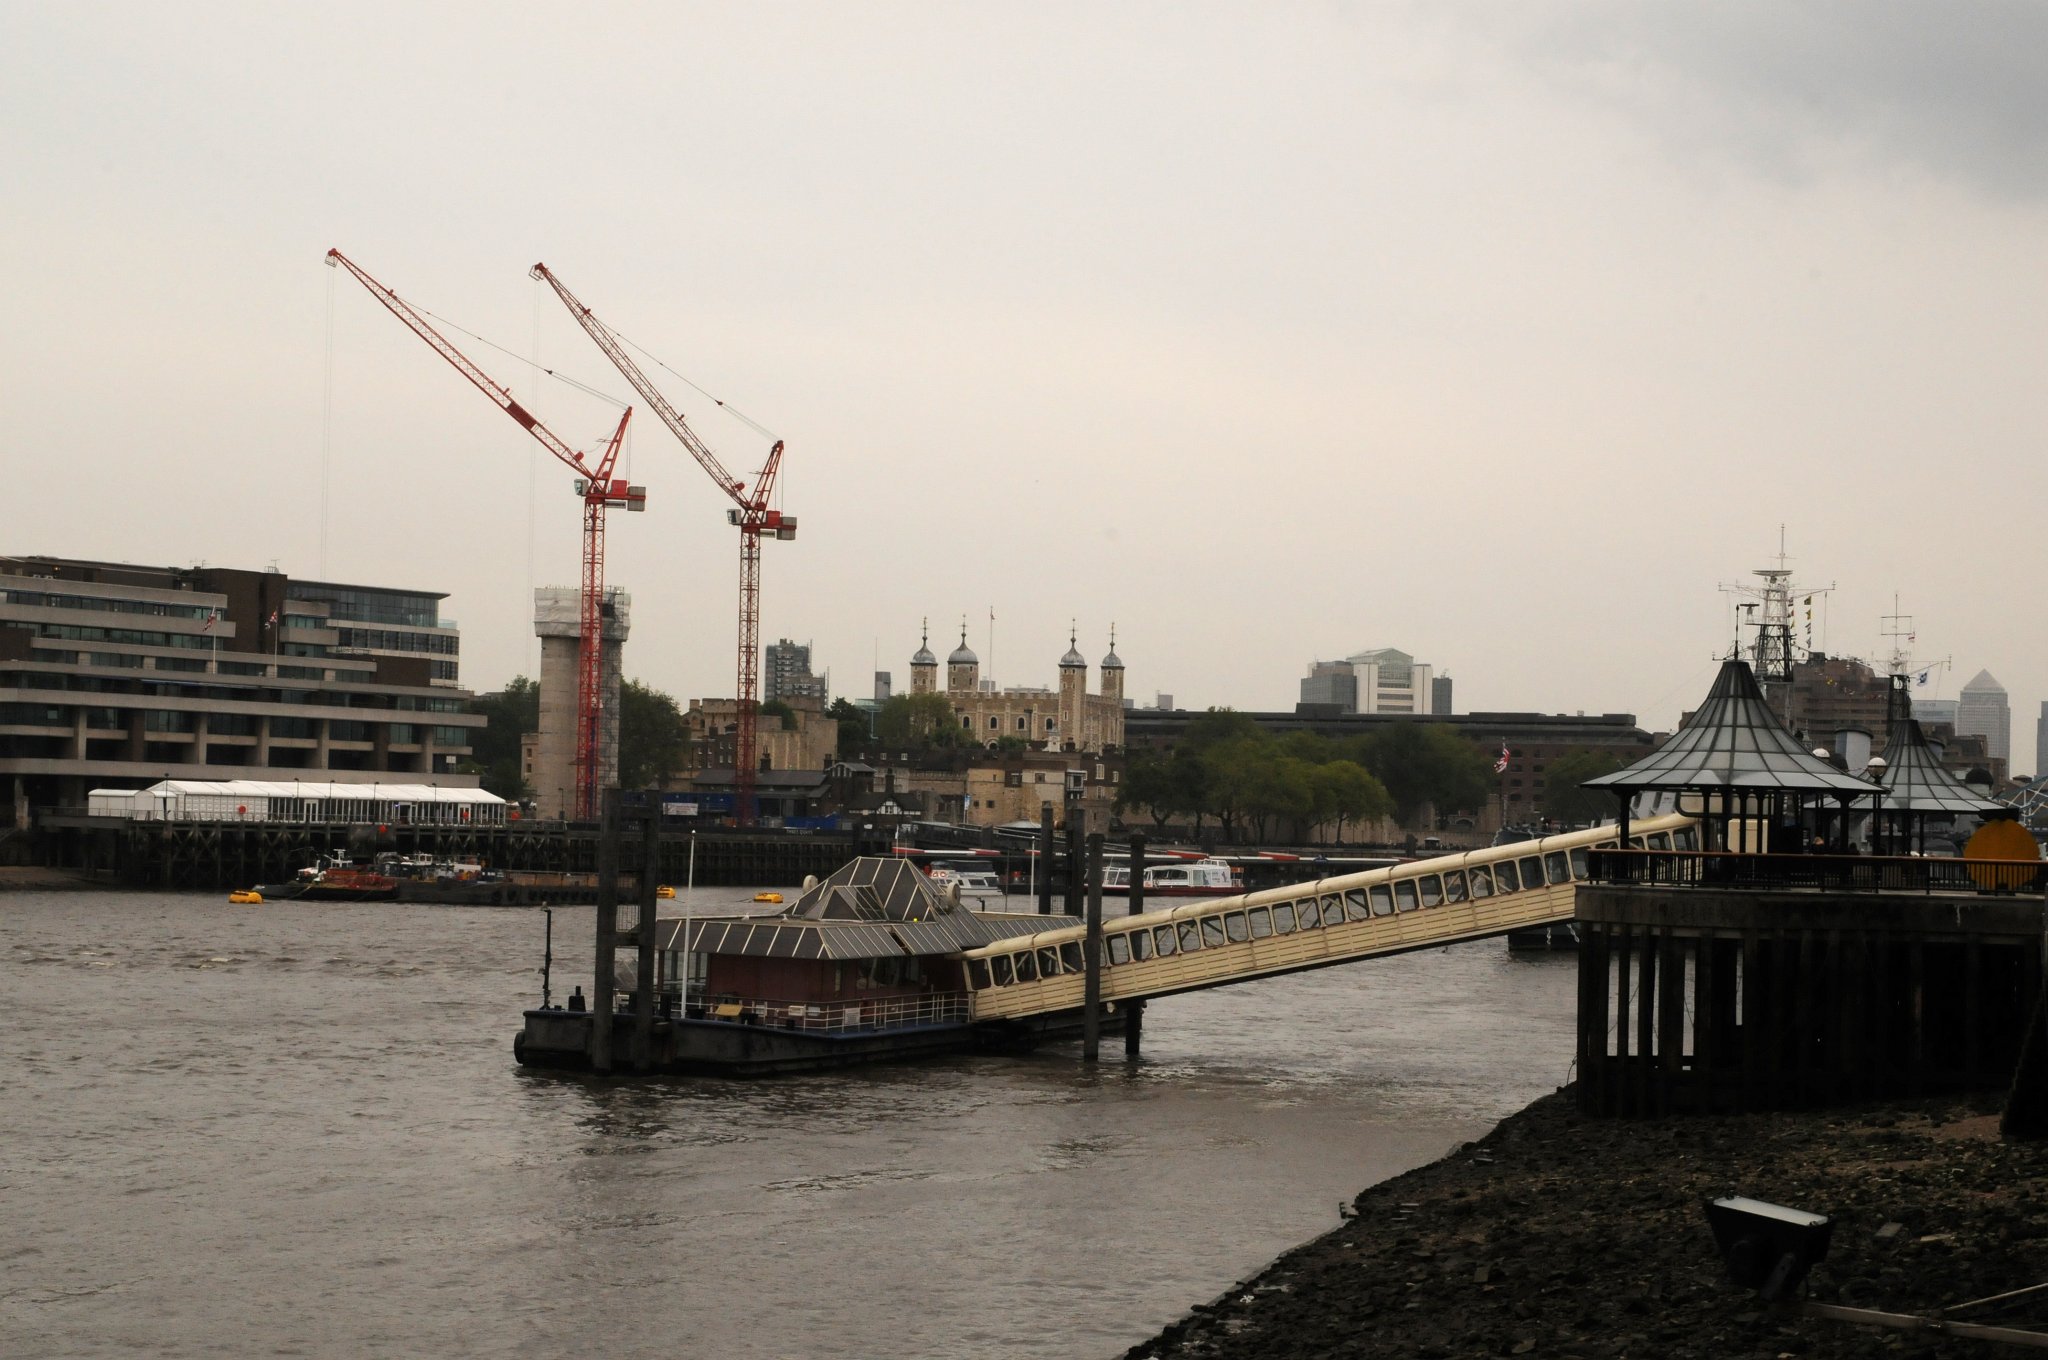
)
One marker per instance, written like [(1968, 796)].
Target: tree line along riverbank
[(1561, 1235)]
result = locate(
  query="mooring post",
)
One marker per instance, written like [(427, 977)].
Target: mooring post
[(1045, 849), (1134, 1024), (1091, 957), (1137, 897), (643, 939), (602, 985), (1077, 868)]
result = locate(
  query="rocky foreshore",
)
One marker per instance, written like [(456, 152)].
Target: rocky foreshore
[(28, 878), (1558, 1235)]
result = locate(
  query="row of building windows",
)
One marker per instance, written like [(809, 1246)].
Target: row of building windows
[(49, 599), (389, 607), (387, 640)]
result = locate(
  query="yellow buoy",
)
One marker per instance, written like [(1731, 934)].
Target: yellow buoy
[(664, 891), (2001, 838), (767, 897), (245, 897)]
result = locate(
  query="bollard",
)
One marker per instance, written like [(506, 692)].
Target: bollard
[(1134, 1025), (1137, 898)]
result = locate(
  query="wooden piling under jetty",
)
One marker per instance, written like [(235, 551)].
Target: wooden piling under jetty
[(1699, 1001)]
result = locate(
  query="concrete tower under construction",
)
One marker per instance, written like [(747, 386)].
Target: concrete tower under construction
[(558, 623)]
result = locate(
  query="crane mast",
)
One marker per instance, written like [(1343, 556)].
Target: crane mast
[(599, 492), (750, 513)]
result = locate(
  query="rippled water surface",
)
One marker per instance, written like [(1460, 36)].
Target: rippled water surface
[(298, 1130)]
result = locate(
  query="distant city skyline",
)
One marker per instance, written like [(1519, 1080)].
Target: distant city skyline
[(1506, 332)]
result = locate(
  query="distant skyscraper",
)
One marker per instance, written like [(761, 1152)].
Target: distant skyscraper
[(1381, 681), (2041, 741), (787, 672), (1440, 694), (1984, 713), (882, 683)]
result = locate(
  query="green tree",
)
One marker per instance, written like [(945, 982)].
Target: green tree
[(494, 753), (1346, 791), (1281, 789), (784, 715), (1149, 783), (1564, 801), (1422, 763), (654, 739), (1234, 771), (853, 726), (919, 722)]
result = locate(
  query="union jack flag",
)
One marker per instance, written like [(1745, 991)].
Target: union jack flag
[(1501, 766)]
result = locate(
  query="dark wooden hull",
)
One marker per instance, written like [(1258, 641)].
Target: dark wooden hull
[(560, 1040)]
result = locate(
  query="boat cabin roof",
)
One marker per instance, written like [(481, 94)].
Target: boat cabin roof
[(870, 908)]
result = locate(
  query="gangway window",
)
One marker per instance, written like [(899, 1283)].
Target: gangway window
[(1119, 949), (1333, 910), (1048, 963), (1283, 918), (1404, 894), (1686, 838), (1262, 923), (1454, 886), (999, 966), (1354, 906), (1070, 956), (1141, 945), (1212, 932), (1190, 937), (977, 973), (1579, 869), (1027, 967), (1532, 872), (1235, 927), (1306, 915), (1505, 879), (1660, 841), (1432, 889), (1481, 881), (1559, 867), (1382, 900), (1163, 938)]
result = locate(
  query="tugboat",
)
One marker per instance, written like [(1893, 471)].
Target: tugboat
[(332, 878)]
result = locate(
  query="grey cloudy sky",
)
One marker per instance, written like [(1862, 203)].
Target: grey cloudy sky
[(1499, 333)]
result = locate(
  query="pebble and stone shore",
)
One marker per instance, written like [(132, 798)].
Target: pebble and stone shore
[(1560, 1235)]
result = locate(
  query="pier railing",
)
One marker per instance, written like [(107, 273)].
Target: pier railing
[(870, 1013), (1820, 873)]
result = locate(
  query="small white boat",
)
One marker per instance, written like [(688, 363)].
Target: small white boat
[(1176, 878)]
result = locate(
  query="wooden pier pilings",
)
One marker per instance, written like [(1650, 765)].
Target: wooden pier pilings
[(218, 856), (1700, 1001)]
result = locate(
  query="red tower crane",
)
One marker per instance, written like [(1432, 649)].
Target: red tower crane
[(599, 493), (750, 513)]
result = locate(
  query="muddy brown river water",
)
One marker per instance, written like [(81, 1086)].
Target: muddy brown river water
[(298, 1130)]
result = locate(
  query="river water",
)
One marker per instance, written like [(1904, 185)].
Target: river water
[(297, 1129)]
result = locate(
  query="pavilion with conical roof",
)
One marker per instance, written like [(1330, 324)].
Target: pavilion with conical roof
[(1734, 765), (1918, 788)]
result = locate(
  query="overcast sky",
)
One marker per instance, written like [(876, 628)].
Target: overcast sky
[(1503, 334)]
